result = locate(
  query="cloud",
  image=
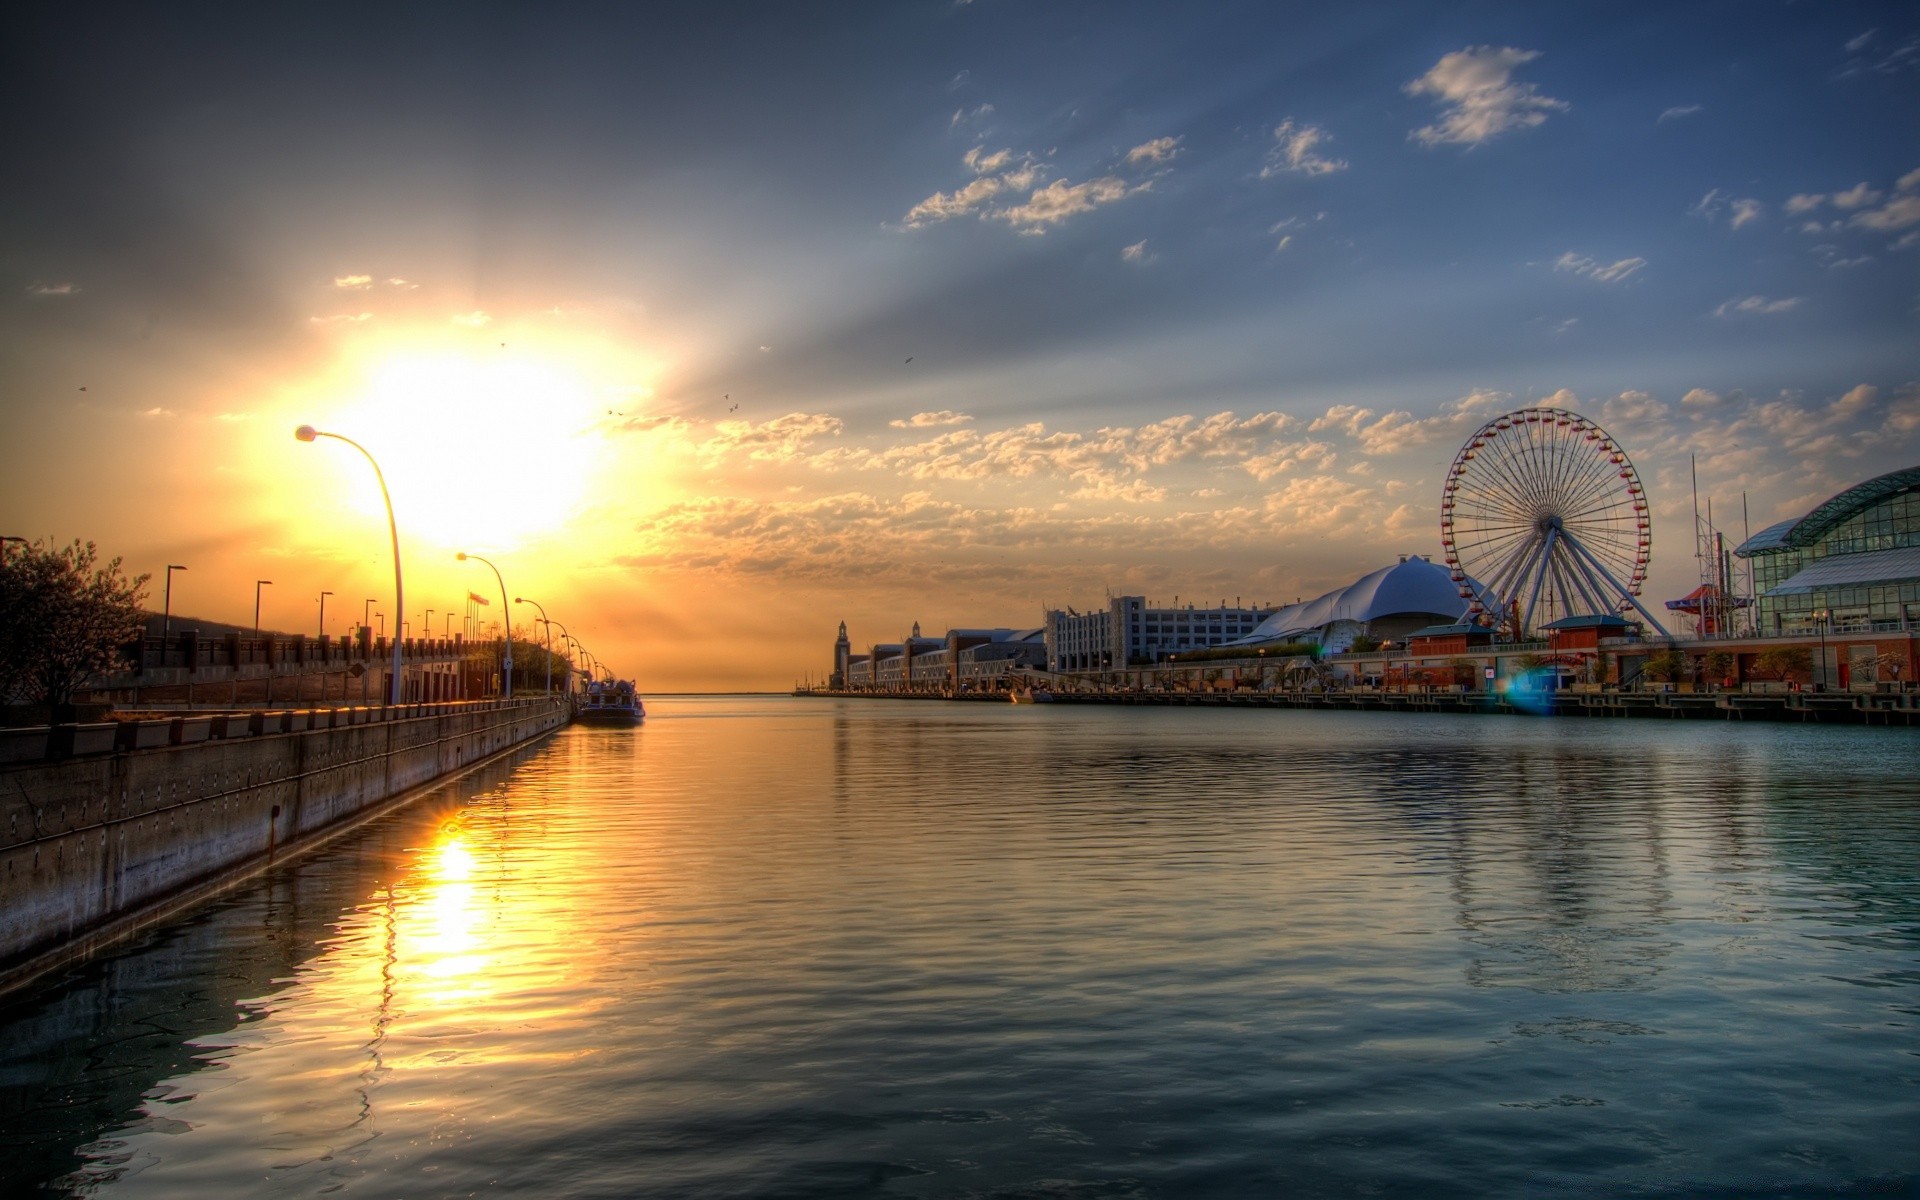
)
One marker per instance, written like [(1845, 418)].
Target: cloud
[(156, 411), (52, 289), (1132, 491), (1739, 211), (1858, 196), (966, 116), (342, 319), (1897, 213), (653, 423), (474, 320), (1396, 431), (1134, 253), (855, 535), (1296, 151), (1804, 202), (1580, 264), (931, 420), (1700, 398), (1632, 407), (1250, 444), (1283, 243), (1889, 62), (353, 283), (998, 172), (1159, 150), (405, 285), (1478, 98), (1326, 500), (781, 439), (233, 416), (1756, 304), (1060, 200), (980, 162), (1678, 111)]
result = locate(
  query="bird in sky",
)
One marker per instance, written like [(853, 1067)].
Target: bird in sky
[(909, 358)]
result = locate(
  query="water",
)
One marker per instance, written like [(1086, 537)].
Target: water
[(776, 947)]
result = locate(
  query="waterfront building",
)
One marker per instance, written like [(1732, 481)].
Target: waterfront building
[(1851, 562), (1130, 633), (959, 660), (1390, 603)]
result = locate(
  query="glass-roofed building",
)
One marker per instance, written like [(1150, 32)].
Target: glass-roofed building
[(1853, 560)]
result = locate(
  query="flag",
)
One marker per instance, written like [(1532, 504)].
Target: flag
[(476, 598)]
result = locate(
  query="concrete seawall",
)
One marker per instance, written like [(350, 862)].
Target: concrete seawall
[(94, 847)]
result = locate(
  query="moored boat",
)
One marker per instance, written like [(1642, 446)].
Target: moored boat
[(614, 702)]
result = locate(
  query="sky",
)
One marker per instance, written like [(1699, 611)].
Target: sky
[(714, 325)]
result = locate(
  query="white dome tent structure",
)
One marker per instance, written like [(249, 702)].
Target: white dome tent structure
[(1545, 509), (1388, 603)]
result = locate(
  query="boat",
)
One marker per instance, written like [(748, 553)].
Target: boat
[(1030, 695), (614, 702)]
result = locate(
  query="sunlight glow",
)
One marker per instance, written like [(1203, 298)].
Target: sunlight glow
[(476, 449)]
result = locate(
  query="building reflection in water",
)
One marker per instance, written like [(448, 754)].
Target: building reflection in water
[(636, 949)]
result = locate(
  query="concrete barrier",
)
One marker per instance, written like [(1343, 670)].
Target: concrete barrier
[(96, 845), (24, 745), (143, 735)]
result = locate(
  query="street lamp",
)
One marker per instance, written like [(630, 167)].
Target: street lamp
[(549, 633), (366, 614), (166, 613), (257, 585), (506, 614), (428, 624), (308, 433), (1823, 615), (323, 613), (382, 618), (447, 631)]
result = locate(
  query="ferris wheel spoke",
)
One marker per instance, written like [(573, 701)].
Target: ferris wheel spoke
[(1505, 473), (1625, 593), (1589, 587), (1596, 488), (1512, 573)]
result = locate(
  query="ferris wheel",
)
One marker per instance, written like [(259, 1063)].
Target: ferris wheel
[(1545, 514)]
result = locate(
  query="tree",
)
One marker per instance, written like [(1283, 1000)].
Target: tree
[(1665, 667), (1364, 644), (1719, 664), (63, 619), (1781, 661)]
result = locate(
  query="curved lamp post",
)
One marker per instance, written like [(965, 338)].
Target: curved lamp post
[(506, 614), (567, 639), (257, 585), (308, 433), (549, 636), (166, 613)]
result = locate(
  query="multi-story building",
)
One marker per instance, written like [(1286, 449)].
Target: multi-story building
[(960, 659), (1851, 561), (1129, 633)]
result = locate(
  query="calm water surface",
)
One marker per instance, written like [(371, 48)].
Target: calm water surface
[(776, 947)]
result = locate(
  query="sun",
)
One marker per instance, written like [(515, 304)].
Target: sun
[(478, 450)]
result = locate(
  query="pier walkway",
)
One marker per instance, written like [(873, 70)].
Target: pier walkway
[(1855, 708)]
